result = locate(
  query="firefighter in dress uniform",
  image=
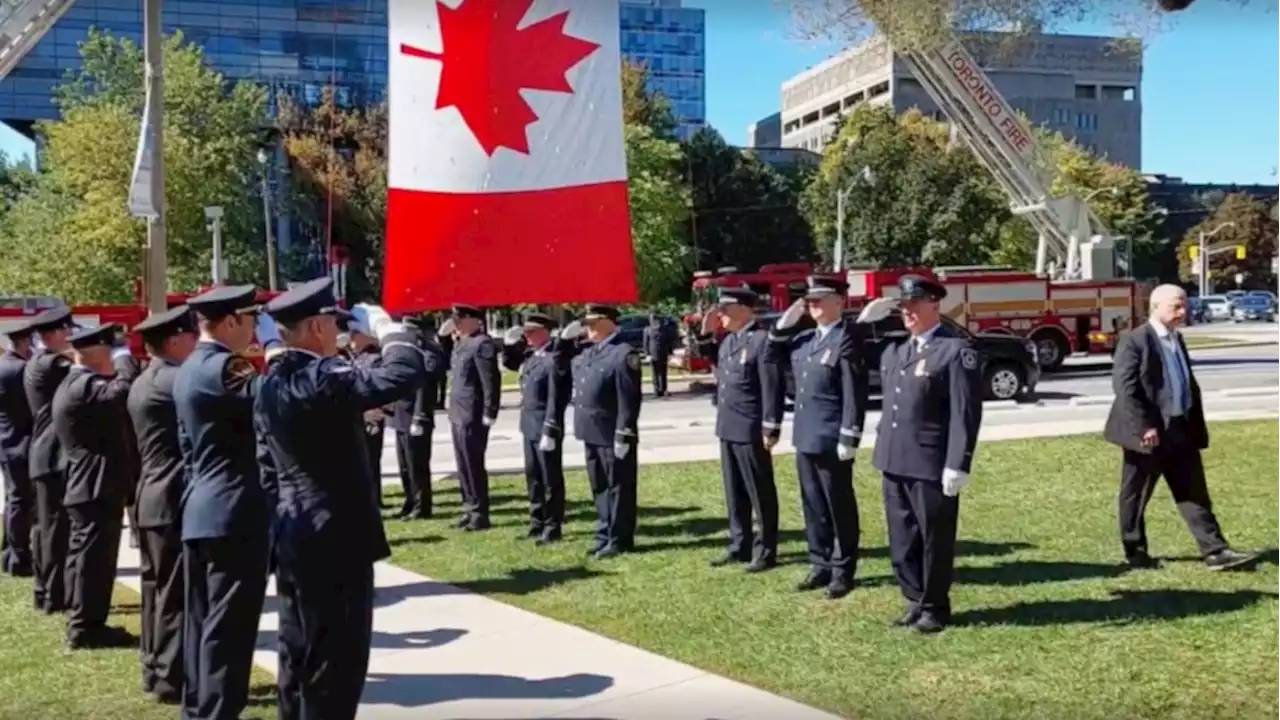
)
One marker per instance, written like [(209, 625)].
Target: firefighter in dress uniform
[(15, 443), (226, 500), (658, 343), (327, 528), (536, 353), (41, 378), (606, 397), (169, 338), (830, 406), (413, 419), (475, 395), (924, 447), (362, 351), (748, 399), (91, 419)]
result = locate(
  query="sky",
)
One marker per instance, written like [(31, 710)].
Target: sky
[(1211, 85)]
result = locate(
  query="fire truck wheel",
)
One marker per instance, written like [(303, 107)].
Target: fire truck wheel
[(1051, 348), (1003, 381)]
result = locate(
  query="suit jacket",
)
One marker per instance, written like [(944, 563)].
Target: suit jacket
[(1143, 397)]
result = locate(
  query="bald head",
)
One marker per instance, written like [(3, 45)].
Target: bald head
[(1169, 305)]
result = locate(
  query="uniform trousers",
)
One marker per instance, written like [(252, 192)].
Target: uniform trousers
[(19, 508), (91, 564), (326, 623), (830, 512), (469, 445), (922, 540), (414, 455), (659, 369), (1179, 462), (162, 603), (544, 479), (747, 471), (373, 445), (49, 540), (613, 487), (225, 581)]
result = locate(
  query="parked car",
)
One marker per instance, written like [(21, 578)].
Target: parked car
[(1216, 307), (1252, 307), (1010, 368), (1196, 311), (631, 328), (1270, 296)]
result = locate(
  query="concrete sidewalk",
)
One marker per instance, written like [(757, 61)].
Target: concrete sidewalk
[(442, 652)]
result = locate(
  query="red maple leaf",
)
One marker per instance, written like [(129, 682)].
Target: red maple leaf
[(487, 60)]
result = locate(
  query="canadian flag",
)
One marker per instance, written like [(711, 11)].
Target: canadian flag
[(507, 172)]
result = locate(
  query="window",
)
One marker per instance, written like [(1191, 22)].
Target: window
[(1062, 116), (1087, 121), (1086, 92)]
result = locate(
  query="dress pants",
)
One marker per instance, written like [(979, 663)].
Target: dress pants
[(659, 370), (613, 487), (469, 445), (95, 529), (225, 584), (326, 623), (19, 509), (1179, 462), (747, 471), (162, 607), (49, 539), (544, 480), (414, 455), (830, 512), (373, 444), (922, 540)]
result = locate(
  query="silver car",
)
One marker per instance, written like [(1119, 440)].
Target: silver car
[(1216, 308)]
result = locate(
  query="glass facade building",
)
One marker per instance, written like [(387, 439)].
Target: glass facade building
[(296, 46), (669, 40)]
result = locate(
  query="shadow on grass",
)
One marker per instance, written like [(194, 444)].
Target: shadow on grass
[(126, 609), (1264, 557), (423, 690), (427, 539), (1124, 607)]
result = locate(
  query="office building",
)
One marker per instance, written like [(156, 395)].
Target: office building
[(765, 132), (668, 40), (1087, 88)]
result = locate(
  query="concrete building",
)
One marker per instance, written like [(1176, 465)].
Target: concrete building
[(765, 132), (669, 40), (1087, 88)]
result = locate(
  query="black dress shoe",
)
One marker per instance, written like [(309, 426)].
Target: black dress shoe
[(476, 525), (1141, 561), (606, 552), (462, 522), (760, 565), (1229, 559), (838, 588), (168, 697), (813, 581), (533, 533), (728, 559), (929, 623), (908, 618)]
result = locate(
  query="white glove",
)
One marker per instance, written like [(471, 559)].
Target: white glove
[(344, 340), (36, 343), (846, 452), (621, 449), (446, 328), (121, 351), (877, 310), (513, 335), (573, 330), (488, 422), (379, 323), (361, 321), (791, 316), (547, 443), (415, 428), (265, 331), (952, 481)]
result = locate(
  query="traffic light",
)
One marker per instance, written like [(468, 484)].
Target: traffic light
[(1193, 251), (1239, 252)]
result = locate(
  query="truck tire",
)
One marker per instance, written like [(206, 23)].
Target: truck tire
[(1003, 381), (1051, 348)]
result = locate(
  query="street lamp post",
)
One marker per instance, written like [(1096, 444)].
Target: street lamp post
[(842, 197), (1203, 258), (156, 289), (272, 278)]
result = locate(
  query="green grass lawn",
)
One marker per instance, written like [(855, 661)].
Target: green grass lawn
[(1047, 623), (1204, 341), (40, 679)]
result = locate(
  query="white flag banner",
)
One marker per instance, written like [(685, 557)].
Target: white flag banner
[(141, 201)]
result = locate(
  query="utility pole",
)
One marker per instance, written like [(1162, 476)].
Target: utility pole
[(157, 289), (264, 158), (213, 214), (842, 197), (1203, 256)]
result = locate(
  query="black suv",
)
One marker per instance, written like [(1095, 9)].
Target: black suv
[(1010, 370)]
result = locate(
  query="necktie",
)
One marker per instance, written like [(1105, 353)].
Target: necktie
[(1179, 374)]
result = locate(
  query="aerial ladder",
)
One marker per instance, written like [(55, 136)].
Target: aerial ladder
[(22, 24), (1074, 244)]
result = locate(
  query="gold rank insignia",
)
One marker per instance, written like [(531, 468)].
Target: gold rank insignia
[(920, 369), (826, 356)]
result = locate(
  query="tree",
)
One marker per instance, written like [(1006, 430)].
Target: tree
[(338, 158), (659, 214), (1116, 194), (916, 203), (641, 105), (746, 213), (70, 233), (1254, 227)]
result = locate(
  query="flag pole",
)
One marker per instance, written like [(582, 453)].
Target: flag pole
[(157, 261)]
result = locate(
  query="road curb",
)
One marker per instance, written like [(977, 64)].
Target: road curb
[(1245, 392), (1091, 400), (1234, 344)]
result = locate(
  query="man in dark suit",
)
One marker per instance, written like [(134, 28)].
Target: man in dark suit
[(15, 439), (169, 337), (658, 344), (474, 399), (1158, 420)]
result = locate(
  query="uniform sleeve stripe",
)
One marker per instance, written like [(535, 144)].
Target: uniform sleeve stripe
[(846, 432), (771, 425)]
